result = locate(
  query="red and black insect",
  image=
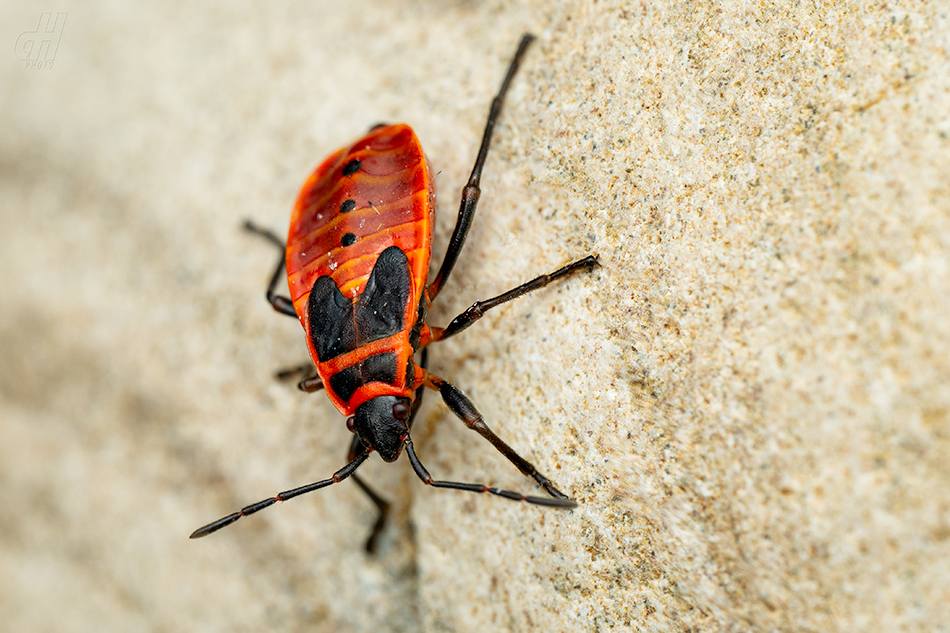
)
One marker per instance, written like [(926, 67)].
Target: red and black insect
[(357, 261)]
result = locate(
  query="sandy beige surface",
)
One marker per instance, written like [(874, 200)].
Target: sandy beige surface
[(749, 399)]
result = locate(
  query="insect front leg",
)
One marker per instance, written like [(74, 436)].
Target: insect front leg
[(427, 479), (466, 411), (356, 447)]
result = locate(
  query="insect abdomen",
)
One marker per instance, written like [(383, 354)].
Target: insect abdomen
[(363, 199)]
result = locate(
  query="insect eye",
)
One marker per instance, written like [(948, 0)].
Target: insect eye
[(349, 424), (400, 411)]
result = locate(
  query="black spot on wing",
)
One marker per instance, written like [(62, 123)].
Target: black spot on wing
[(352, 167)]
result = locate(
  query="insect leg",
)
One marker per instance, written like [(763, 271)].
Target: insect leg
[(457, 485), (471, 191), (308, 383), (381, 504), (479, 308), (337, 477), (282, 304), (466, 411)]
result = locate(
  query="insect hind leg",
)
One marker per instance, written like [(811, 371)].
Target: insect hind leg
[(281, 304), (472, 190)]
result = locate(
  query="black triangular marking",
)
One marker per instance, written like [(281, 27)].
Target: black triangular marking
[(331, 319), (339, 325)]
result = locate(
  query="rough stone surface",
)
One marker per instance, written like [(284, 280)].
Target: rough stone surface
[(750, 398)]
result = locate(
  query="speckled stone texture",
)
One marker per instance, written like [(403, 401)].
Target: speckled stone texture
[(749, 399)]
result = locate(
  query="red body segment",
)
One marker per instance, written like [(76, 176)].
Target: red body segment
[(364, 198)]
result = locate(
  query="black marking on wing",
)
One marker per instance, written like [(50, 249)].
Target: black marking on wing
[(352, 167), (331, 319), (339, 325)]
